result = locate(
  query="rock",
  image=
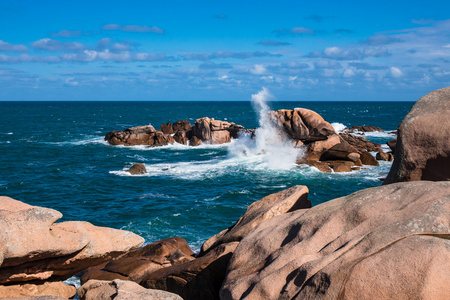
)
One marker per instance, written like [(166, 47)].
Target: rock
[(368, 159), (33, 247), (139, 135), (362, 129), (220, 137), (320, 165), (195, 141), (137, 169), (423, 145), (46, 297), (44, 289), (321, 146), (215, 131), (138, 264), (198, 279), (180, 137), (388, 242), (359, 142), (279, 203), (342, 166), (202, 129), (384, 156), (182, 126), (302, 124), (341, 151), (120, 289), (392, 143), (167, 128)]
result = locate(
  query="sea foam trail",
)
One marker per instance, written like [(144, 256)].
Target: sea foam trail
[(277, 151)]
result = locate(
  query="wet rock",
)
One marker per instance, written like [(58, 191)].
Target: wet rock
[(388, 242), (342, 166), (180, 137), (33, 247), (139, 135), (195, 141), (320, 165), (385, 156), (368, 159), (137, 169), (291, 199), (142, 262), (423, 145), (120, 289), (57, 289)]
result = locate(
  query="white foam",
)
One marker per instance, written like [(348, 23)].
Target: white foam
[(377, 134), (338, 127)]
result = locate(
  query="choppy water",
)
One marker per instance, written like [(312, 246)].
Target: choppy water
[(52, 154)]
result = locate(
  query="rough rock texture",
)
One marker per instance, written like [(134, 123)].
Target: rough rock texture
[(33, 247), (195, 141), (138, 264), (137, 169), (342, 166), (368, 159), (392, 143), (272, 205), (182, 126), (121, 290), (180, 137), (46, 297), (342, 151), (167, 128), (44, 289), (359, 142), (139, 135), (212, 131), (389, 242), (423, 145), (195, 280), (302, 124), (384, 156)]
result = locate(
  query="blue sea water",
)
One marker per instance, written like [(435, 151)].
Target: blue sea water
[(52, 154)]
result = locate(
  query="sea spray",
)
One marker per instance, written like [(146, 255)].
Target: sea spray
[(269, 142)]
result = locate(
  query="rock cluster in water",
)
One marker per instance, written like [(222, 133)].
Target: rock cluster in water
[(387, 242)]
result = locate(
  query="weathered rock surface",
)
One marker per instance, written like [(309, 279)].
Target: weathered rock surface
[(44, 289), (423, 145), (138, 264), (182, 125), (195, 280), (137, 169), (167, 128), (212, 131), (139, 135), (384, 156), (302, 124), (392, 143), (180, 137), (33, 247), (359, 142), (362, 129), (121, 290), (341, 151), (195, 141), (368, 159), (389, 242), (272, 205)]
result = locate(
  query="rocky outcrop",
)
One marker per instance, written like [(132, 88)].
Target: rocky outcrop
[(392, 143), (35, 248), (389, 242), (43, 289), (359, 142), (368, 159), (139, 135), (423, 145), (120, 289), (212, 131), (279, 203), (362, 129), (341, 151), (138, 264), (195, 141), (137, 169), (384, 156)]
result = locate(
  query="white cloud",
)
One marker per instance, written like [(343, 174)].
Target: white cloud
[(396, 72), (258, 70), (348, 73), (7, 47), (55, 45)]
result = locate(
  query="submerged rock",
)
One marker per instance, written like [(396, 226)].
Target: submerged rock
[(422, 151), (389, 242)]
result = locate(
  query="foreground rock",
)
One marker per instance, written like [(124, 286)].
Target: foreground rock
[(137, 169), (423, 146), (119, 289), (146, 260), (34, 247), (389, 242), (48, 288)]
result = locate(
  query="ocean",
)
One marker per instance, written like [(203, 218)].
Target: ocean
[(53, 154)]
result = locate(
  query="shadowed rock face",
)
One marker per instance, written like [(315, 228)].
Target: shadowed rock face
[(422, 151), (139, 135), (33, 247), (389, 242)]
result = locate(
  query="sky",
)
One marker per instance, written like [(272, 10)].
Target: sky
[(223, 50)]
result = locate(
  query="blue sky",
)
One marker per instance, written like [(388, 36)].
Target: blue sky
[(223, 50)]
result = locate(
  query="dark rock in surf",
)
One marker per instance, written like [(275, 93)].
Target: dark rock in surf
[(392, 143), (137, 169)]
